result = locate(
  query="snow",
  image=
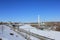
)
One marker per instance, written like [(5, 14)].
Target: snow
[(5, 34), (34, 38), (3, 38), (46, 33), (31, 37)]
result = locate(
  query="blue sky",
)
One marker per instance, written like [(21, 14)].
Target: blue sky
[(28, 10)]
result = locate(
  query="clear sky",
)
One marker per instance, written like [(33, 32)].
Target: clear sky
[(28, 10)]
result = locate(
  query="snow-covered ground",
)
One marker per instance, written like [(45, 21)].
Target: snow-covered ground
[(46, 33), (7, 33), (31, 37)]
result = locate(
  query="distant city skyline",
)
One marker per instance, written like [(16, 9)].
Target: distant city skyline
[(28, 10)]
